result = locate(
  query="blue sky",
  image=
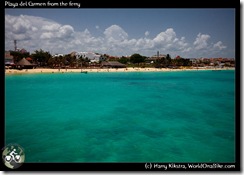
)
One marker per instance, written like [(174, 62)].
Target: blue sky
[(185, 32)]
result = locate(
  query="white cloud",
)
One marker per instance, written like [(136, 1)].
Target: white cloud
[(65, 31), (51, 27), (18, 27), (165, 37), (219, 45), (115, 33), (147, 33), (168, 42), (46, 35), (56, 31), (201, 41), (34, 33)]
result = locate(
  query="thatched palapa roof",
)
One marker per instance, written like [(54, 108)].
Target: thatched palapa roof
[(113, 64), (24, 62)]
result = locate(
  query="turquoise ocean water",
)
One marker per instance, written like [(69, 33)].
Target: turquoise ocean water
[(186, 116)]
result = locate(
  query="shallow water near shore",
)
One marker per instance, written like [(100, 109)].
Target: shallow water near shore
[(122, 117)]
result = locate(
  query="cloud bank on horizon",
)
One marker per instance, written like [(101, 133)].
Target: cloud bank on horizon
[(34, 33)]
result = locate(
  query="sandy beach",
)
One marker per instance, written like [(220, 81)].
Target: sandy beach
[(48, 70)]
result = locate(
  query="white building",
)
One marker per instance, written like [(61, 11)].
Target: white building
[(92, 57), (57, 55)]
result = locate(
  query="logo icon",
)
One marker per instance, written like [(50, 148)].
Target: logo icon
[(148, 166), (13, 156)]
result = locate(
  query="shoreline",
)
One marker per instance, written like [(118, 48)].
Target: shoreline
[(97, 70)]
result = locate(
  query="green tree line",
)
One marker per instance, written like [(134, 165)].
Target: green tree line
[(45, 59)]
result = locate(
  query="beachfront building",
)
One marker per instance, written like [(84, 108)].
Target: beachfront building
[(9, 59), (213, 62), (153, 58), (92, 57), (58, 55), (112, 64)]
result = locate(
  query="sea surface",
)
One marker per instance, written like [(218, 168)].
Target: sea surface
[(186, 116)]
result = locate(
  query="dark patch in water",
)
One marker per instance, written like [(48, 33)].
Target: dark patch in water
[(224, 134), (151, 133), (176, 150), (72, 125)]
